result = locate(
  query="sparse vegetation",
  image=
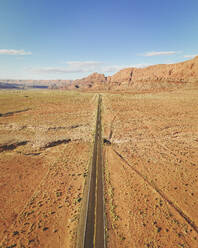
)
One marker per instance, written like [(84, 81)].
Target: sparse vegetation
[(44, 192), (154, 135), (150, 148)]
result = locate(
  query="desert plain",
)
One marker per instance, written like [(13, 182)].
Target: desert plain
[(44, 157), (150, 163), (151, 173)]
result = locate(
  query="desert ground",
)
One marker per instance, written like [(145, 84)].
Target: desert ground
[(151, 169), (150, 164), (45, 150)]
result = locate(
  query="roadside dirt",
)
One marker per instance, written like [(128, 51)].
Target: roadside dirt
[(151, 169), (50, 216), (150, 156), (42, 181)]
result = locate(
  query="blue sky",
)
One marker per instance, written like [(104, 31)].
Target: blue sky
[(69, 39)]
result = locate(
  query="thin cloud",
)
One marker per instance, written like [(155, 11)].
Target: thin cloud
[(74, 67), (84, 63), (154, 53), (81, 67), (115, 68), (85, 67), (14, 52), (190, 56), (57, 70)]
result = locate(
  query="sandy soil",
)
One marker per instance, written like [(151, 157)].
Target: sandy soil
[(151, 169), (45, 150)]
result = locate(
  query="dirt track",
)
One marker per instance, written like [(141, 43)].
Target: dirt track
[(160, 192)]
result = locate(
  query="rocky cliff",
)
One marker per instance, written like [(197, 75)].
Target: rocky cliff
[(163, 76), (156, 76), (150, 78), (93, 81)]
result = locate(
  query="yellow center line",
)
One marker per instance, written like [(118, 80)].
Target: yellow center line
[(96, 200)]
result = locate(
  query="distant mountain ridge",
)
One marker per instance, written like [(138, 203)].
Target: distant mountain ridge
[(149, 78), (40, 84)]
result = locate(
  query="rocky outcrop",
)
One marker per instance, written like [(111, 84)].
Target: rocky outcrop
[(121, 78), (156, 76), (93, 81), (163, 76)]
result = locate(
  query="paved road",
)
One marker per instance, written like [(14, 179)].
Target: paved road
[(95, 231)]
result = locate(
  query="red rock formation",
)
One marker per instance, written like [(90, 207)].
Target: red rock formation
[(95, 80), (150, 78), (156, 76)]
